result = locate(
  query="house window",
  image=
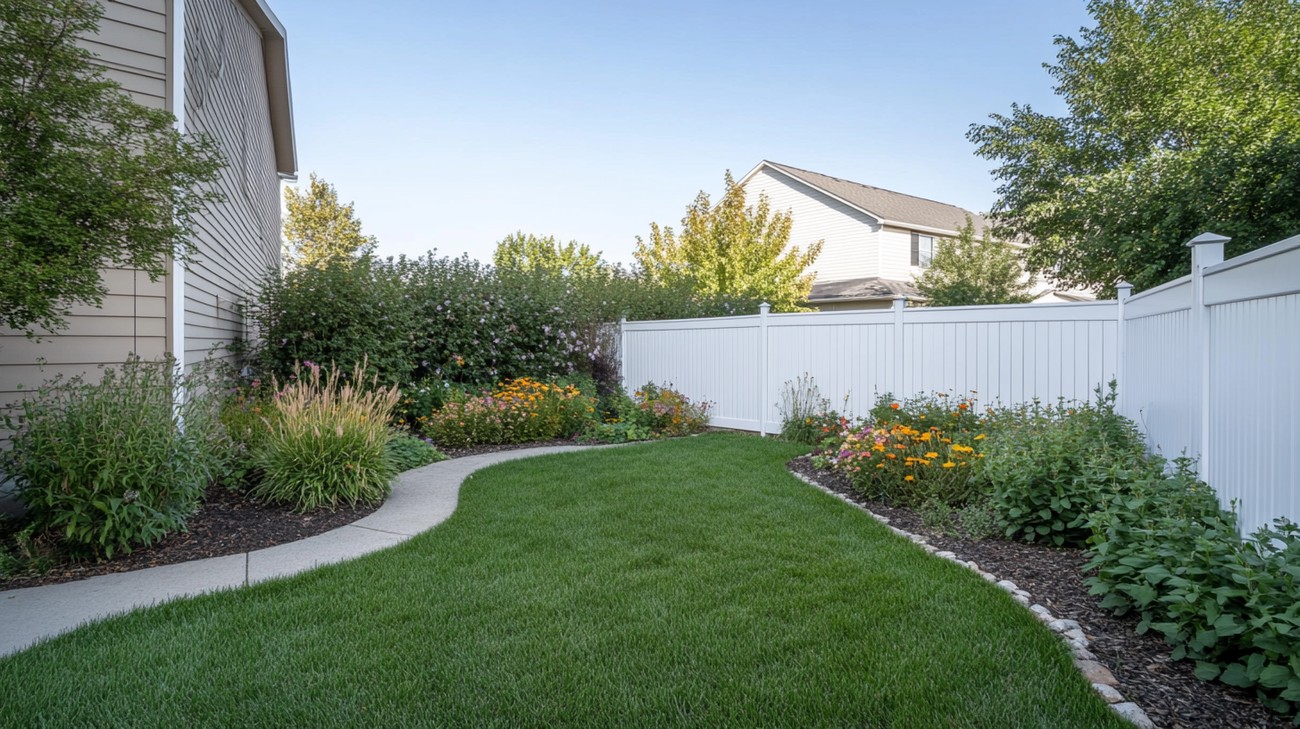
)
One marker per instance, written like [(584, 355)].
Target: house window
[(922, 250)]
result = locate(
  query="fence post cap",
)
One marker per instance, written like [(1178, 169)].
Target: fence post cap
[(1207, 238), (764, 307)]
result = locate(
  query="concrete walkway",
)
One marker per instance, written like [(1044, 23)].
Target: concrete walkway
[(421, 499)]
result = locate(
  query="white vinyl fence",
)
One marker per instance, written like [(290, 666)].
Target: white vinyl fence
[(1207, 365)]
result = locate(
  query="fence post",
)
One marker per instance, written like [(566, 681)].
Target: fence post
[(622, 351), (900, 302), (763, 310), (1207, 250), (1123, 290)]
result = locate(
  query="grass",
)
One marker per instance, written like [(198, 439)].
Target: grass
[(687, 582)]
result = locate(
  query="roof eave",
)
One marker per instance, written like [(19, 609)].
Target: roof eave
[(279, 93)]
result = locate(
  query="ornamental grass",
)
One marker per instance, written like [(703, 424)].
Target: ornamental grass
[(327, 444)]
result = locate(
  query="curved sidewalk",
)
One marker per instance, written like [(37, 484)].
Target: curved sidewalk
[(422, 498)]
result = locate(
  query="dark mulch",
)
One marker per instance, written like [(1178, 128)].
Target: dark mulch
[(227, 522), (1166, 690)]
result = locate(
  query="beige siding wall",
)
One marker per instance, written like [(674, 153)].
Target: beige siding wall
[(850, 249), (132, 47), (239, 238)]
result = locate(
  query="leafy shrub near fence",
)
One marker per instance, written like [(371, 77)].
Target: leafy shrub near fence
[(328, 442), (1165, 550), (104, 466), (1047, 467), (457, 320)]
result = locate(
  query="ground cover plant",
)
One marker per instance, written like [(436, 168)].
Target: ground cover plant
[(685, 582)]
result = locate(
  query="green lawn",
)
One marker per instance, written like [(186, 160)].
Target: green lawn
[(684, 583)]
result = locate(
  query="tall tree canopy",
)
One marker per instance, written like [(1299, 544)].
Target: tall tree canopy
[(969, 272), (534, 254), (1184, 116), (88, 177), (731, 250), (319, 229)]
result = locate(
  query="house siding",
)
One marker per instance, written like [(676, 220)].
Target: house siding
[(131, 45), (236, 239), (851, 237), (896, 254)]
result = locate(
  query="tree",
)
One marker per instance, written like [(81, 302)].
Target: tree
[(318, 230), (530, 253), (1184, 116), (88, 177), (731, 250), (967, 272)]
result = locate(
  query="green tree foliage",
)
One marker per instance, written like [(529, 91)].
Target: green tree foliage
[(969, 272), (1184, 116), (88, 177), (318, 229), (531, 253), (731, 250)]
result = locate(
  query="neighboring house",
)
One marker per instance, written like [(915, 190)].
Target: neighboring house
[(876, 241), (226, 75)]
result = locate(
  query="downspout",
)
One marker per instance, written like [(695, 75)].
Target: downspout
[(176, 82)]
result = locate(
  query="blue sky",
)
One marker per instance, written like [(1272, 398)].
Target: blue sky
[(453, 124)]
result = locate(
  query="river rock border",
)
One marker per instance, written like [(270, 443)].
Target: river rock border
[(1070, 631)]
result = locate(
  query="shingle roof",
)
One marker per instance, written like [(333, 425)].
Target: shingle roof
[(857, 289), (894, 207)]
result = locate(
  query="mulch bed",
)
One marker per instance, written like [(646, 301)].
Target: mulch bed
[(1168, 691), (227, 522)]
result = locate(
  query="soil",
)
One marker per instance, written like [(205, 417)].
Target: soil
[(1168, 691), (227, 522)]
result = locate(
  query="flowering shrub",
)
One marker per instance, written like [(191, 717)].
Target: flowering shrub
[(517, 411), (668, 413), (911, 452), (328, 441)]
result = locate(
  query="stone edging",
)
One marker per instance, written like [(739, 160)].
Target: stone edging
[(1070, 631)]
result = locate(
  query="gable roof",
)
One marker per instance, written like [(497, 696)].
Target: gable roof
[(275, 58), (887, 206)]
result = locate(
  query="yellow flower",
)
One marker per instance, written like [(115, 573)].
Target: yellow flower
[(949, 464), (932, 454), (981, 436), (909, 477)]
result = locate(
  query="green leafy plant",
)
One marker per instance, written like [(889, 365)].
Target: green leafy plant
[(106, 465), (977, 520), (406, 451), (328, 443), (936, 514), (1050, 466), (1167, 551)]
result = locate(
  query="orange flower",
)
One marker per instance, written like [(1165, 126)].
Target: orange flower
[(894, 405), (962, 406), (909, 477)]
